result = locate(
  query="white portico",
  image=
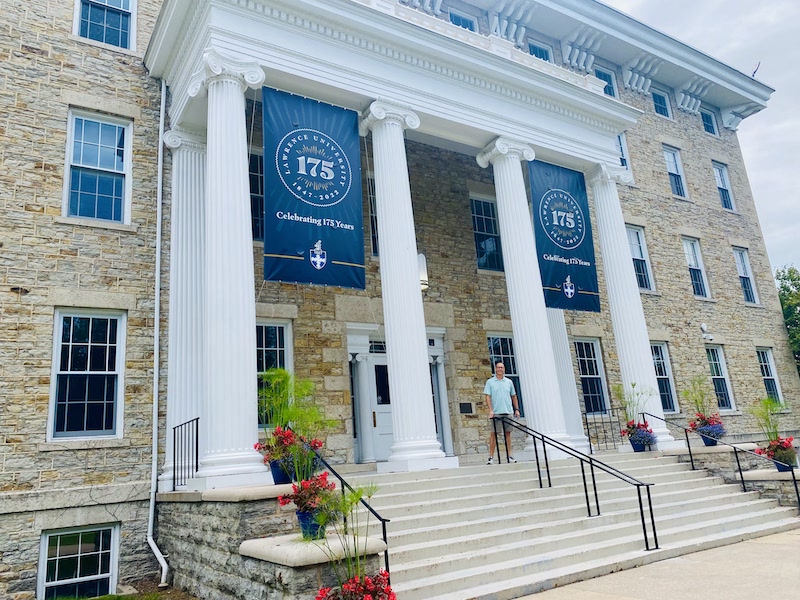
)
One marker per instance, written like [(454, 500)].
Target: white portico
[(410, 75)]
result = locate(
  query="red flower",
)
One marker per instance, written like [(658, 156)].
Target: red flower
[(310, 494), (368, 588)]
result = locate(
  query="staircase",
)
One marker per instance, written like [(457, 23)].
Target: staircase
[(490, 532)]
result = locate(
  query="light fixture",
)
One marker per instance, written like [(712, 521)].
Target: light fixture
[(423, 272)]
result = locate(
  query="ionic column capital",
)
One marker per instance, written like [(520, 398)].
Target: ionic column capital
[(603, 172), (218, 67), (504, 146), (382, 111), (179, 138)]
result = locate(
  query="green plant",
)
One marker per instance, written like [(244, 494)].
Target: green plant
[(766, 413), (633, 400), (699, 396), (285, 400)]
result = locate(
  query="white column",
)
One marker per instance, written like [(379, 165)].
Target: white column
[(534, 352), (570, 403), (185, 352), (229, 422), (443, 405), (365, 427), (415, 445), (624, 301)]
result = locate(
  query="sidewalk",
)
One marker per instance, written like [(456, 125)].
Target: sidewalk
[(767, 567)]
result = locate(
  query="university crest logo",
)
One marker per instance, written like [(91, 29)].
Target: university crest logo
[(569, 288), (562, 219), (313, 167), (319, 258)]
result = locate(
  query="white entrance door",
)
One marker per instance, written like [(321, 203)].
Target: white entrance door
[(381, 407)]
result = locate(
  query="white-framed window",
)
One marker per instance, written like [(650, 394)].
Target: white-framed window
[(373, 216), (709, 121), (274, 349), (719, 377), (697, 272), (766, 363), (723, 185), (110, 22), (256, 174), (97, 185), (592, 374), (540, 50), (487, 233), (661, 103), (78, 563), (87, 385), (610, 88), (462, 21), (745, 275), (622, 149), (672, 156), (641, 262), (501, 349), (666, 385)]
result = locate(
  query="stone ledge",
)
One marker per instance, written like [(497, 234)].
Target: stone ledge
[(765, 475), (719, 449), (84, 444), (38, 500), (294, 551), (249, 493)]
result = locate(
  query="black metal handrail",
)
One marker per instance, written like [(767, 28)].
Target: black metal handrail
[(383, 521), (584, 460), (603, 428), (736, 451), (185, 451)]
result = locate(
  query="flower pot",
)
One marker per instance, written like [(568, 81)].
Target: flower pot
[(309, 527), (279, 473), (709, 441), (637, 447), (786, 464)]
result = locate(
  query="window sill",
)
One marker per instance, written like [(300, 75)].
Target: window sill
[(649, 292), (682, 198), (755, 305), (84, 444), (104, 46), (731, 211), (491, 272), (96, 223), (732, 412), (705, 299)]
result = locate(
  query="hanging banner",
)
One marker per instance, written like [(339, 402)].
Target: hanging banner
[(313, 218), (563, 233)]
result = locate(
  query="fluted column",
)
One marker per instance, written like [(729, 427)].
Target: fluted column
[(624, 301), (570, 403), (363, 365), (536, 364), (185, 351), (229, 423), (443, 405), (415, 444)]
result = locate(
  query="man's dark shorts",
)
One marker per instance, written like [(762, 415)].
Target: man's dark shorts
[(500, 425)]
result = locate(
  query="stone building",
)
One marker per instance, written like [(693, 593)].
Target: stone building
[(132, 271)]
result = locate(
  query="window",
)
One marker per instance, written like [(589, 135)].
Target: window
[(88, 367), (694, 260), (373, 215), (540, 51), (666, 388), (709, 121), (672, 156), (501, 349), (745, 275), (273, 349), (590, 367), (464, 22), (107, 21), (723, 185), (622, 148), (641, 264), (98, 155), (608, 77), (487, 234), (79, 563), (661, 103), (767, 365), (719, 377), (256, 172)]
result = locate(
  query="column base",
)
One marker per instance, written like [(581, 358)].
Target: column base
[(165, 480), (418, 464)]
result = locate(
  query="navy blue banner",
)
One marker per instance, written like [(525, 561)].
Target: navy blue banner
[(313, 218), (563, 234)]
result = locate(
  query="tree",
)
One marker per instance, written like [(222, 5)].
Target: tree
[(788, 280)]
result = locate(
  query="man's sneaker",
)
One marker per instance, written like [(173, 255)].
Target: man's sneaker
[(491, 460), (511, 459)]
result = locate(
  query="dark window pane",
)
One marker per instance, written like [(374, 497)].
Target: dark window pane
[(80, 330)]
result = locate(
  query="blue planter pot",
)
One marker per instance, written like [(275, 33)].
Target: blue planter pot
[(709, 441), (279, 474), (637, 447), (309, 527), (782, 468)]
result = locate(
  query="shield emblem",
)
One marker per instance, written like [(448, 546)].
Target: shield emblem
[(569, 288), (319, 258)]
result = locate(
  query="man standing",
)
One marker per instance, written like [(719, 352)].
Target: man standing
[(500, 396)]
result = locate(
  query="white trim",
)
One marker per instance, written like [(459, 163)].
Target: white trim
[(642, 243), (661, 92), (119, 400), (127, 158), (724, 374), (694, 260), (131, 47), (113, 565), (743, 269), (668, 366), (288, 338), (771, 364), (706, 111), (598, 352), (721, 176), (676, 153), (613, 81), (543, 46)]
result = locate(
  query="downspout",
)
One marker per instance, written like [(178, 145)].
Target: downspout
[(156, 344)]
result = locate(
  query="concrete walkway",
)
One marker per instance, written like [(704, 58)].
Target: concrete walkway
[(767, 567)]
